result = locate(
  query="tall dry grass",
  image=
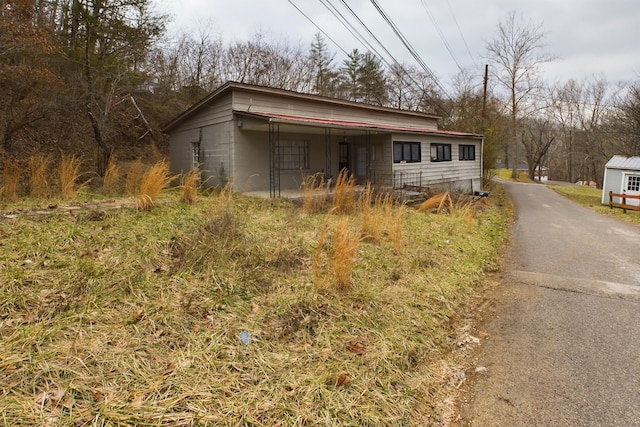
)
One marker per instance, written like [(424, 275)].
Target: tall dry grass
[(370, 224), (343, 249), (134, 175), (153, 181), (38, 175), (344, 192), (189, 186), (68, 173), (315, 193), (112, 175), (12, 170)]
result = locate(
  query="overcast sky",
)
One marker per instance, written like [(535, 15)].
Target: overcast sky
[(588, 37)]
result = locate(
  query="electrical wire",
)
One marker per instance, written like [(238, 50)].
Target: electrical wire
[(464, 40), (410, 48), (441, 34), (318, 27)]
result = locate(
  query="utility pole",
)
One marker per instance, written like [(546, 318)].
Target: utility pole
[(484, 96)]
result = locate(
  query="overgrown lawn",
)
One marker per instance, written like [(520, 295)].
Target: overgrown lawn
[(221, 312)]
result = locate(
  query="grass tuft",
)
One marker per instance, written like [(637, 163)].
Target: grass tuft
[(112, 176), (134, 176), (153, 181), (12, 170), (37, 173), (69, 172), (315, 193), (189, 186), (343, 249), (344, 192)]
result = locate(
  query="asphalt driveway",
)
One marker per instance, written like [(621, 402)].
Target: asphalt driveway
[(564, 348)]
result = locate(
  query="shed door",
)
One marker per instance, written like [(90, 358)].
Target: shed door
[(632, 186)]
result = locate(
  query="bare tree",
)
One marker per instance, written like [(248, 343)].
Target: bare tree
[(517, 53)]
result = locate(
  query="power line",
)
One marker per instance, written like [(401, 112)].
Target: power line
[(464, 40), (318, 27), (406, 43), (441, 34)]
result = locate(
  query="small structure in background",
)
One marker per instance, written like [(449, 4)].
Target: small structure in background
[(622, 178)]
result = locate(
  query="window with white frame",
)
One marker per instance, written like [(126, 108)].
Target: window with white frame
[(293, 154), (633, 183)]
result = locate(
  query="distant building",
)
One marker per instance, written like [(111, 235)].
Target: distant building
[(622, 175)]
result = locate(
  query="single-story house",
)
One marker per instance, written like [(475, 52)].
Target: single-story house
[(622, 175), (263, 139)]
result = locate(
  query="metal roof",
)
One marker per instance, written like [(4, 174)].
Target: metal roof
[(348, 124), (622, 162)]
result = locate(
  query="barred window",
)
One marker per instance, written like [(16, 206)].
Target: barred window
[(633, 183), (293, 154)]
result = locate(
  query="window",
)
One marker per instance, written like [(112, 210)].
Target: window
[(406, 152), (440, 152), (196, 154), (467, 152), (293, 154), (633, 183)]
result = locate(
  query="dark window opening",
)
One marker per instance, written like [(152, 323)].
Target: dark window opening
[(406, 152), (440, 152), (467, 152)]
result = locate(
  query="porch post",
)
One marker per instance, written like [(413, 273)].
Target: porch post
[(327, 153), (274, 160)]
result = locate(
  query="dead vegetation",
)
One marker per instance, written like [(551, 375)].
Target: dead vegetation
[(236, 311)]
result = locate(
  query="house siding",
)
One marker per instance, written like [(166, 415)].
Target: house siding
[(461, 175), (277, 104), (236, 146)]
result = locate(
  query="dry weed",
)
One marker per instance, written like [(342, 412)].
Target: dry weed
[(69, 172), (344, 192), (189, 186), (315, 193), (112, 176), (38, 175), (11, 173), (132, 181), (343, 249), (154, 180)]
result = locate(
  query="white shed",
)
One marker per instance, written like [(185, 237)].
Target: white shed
[(622, 174)]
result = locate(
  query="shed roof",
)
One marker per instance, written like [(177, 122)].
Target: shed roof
[(623, 162)]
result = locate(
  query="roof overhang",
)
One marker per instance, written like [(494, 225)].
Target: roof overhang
[(348, 125)]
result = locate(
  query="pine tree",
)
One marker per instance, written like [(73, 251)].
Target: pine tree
[(323, 74)]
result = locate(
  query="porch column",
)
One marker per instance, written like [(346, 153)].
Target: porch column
[(274, 160)]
